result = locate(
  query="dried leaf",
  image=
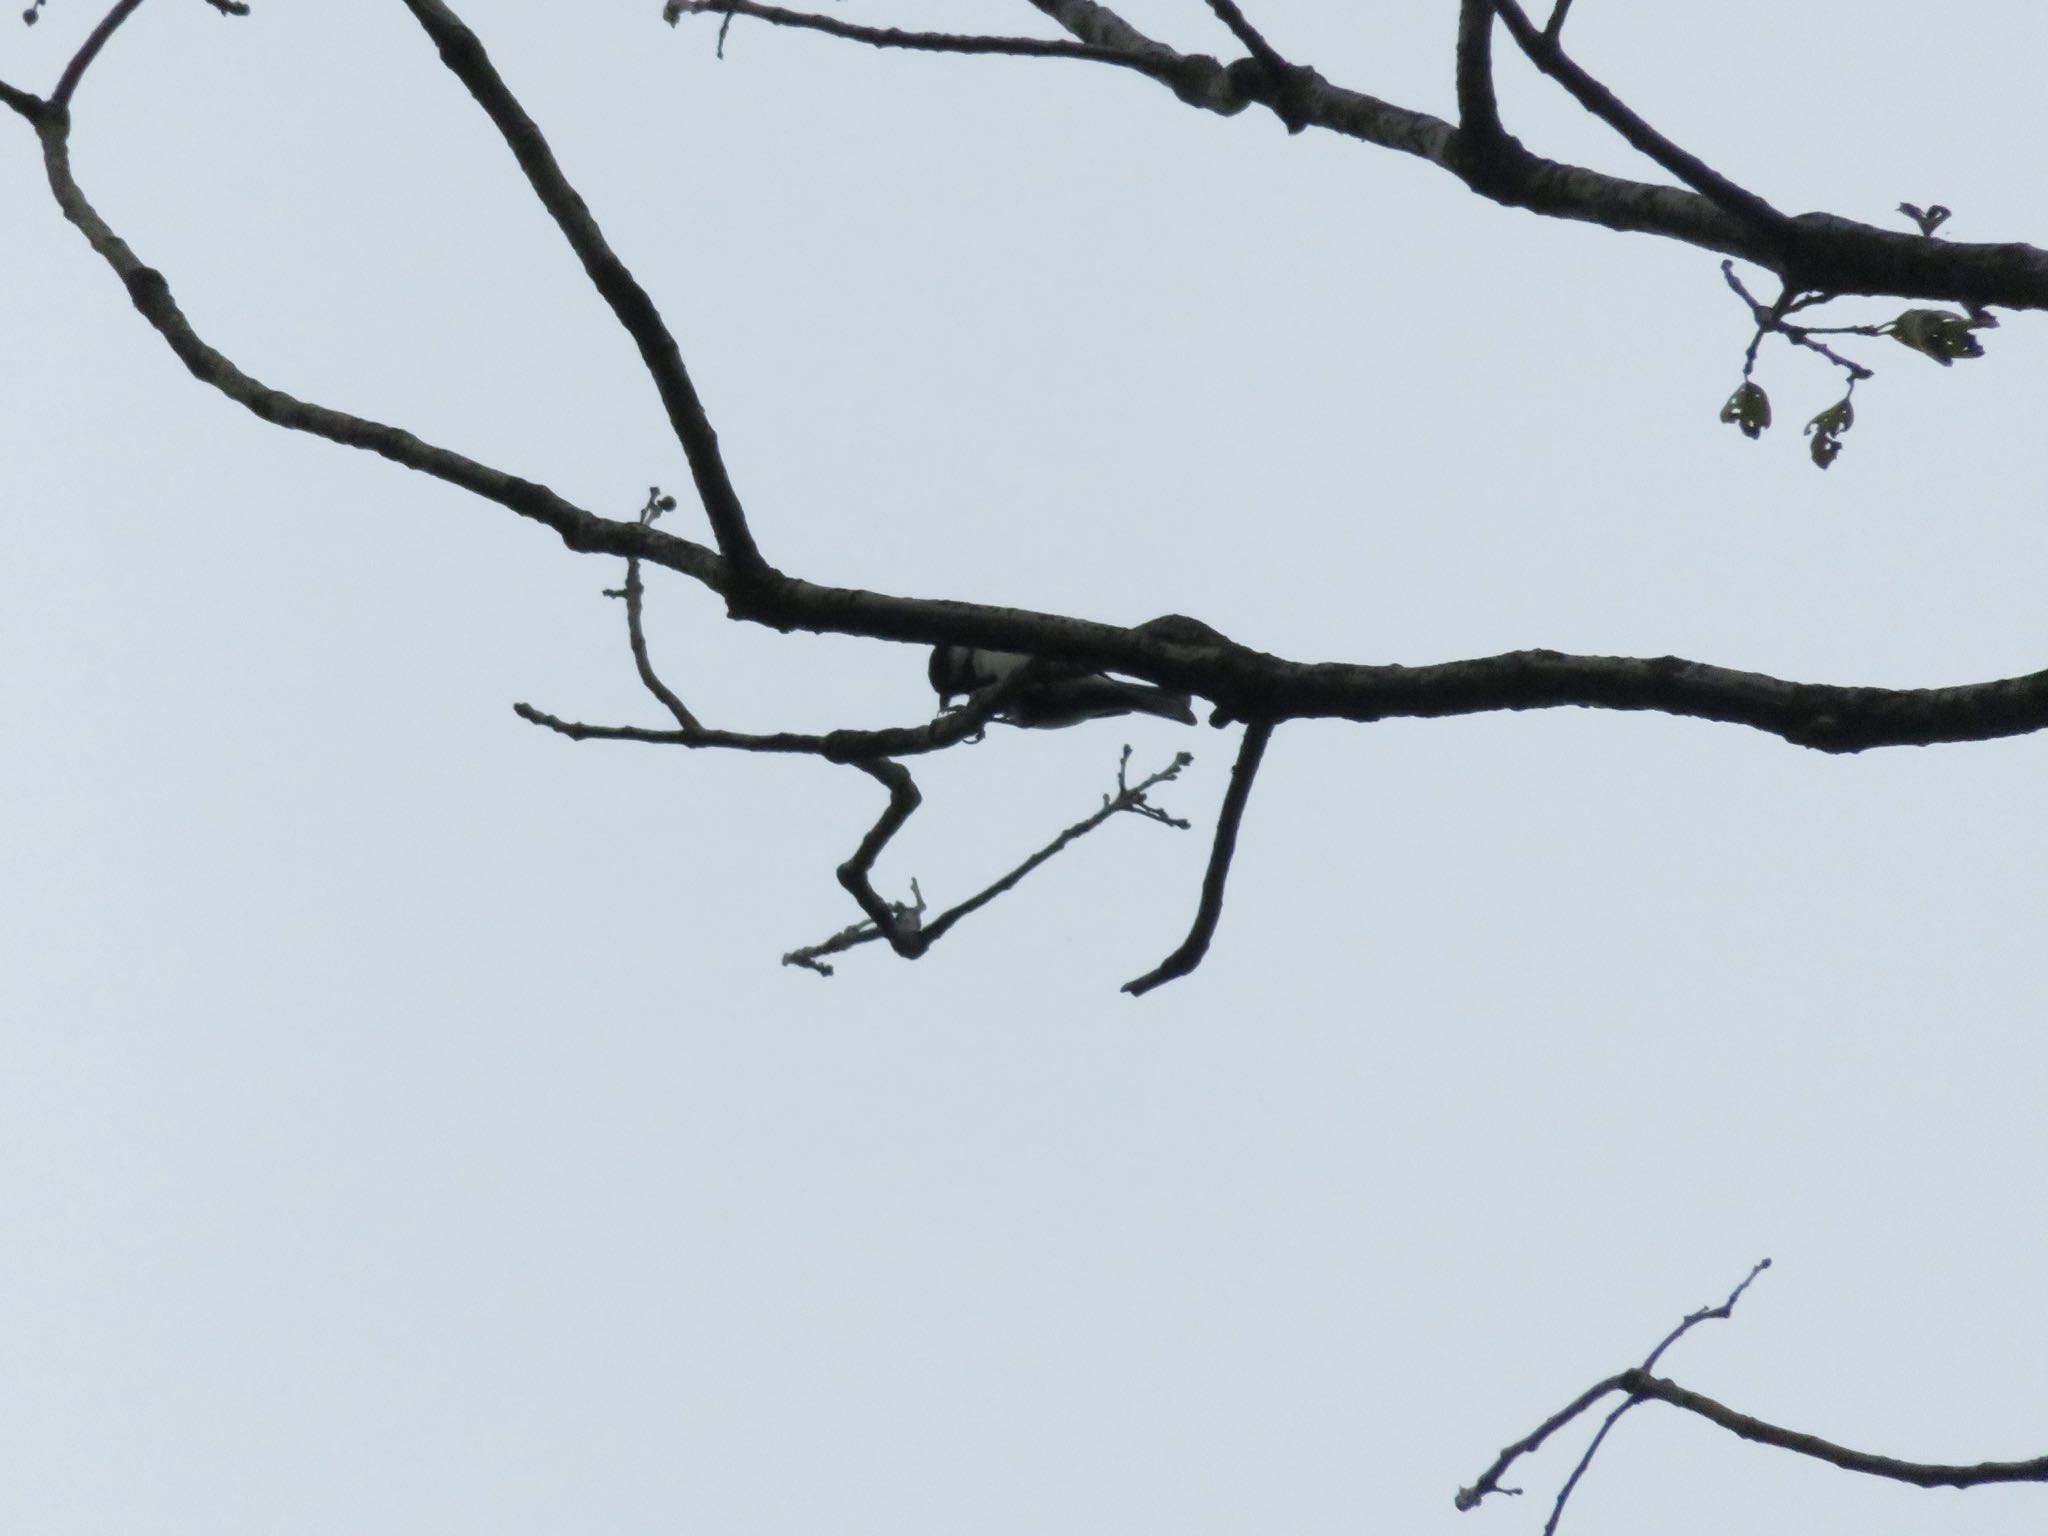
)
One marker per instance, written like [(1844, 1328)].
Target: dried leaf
[(1936, 333), (1749, 408), (1826, 430), (1930, 218)]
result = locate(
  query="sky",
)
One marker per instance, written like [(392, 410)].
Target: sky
[(405, 1121)]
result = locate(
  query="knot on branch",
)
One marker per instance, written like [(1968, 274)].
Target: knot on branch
[(1286, 88)]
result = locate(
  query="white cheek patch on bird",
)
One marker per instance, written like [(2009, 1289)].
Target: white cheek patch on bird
[(1053, 694)]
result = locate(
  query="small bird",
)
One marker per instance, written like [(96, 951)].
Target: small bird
[(1056, 694)]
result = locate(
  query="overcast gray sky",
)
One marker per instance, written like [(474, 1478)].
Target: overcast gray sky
[(405, 1125)]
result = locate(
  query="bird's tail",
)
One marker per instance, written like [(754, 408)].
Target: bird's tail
[(1094, 697)]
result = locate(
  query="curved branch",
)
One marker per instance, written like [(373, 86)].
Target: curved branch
[(81, 61), (1924, 1474), (897, 925), (635, 592), (151, 295), (1129, 797), (1209, 910)]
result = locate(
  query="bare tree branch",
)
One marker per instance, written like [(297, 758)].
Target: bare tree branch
[(1266, 76), (29, 105), (1770, 319), (464, 54), (81, 61), (635, 592), (1816, 251), (897, 925), (1923, 1474), (1705, 1314), (1129, 797), (1209, 910), (1478, 107), (1545, 52), (1718, 1314), (1247, 684), (841, 746), (1255, 44), (1489, 1483), (151, 295), (1179, 654), (1640, 1385), (897, 37), (1195, 78)]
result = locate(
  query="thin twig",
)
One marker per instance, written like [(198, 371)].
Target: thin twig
[(1129, 797), (844, 746), (897, 37), (634, 593), (791, 743), (1718, 1314), (1771, 319)]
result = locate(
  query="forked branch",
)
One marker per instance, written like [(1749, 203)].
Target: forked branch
[(1638, 1384), (463, 52), (1707, 209), (1180, 655), (907, 933)]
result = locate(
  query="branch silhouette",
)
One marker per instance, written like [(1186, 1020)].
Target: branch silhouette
[(1814, 254), (1639, 1384)]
